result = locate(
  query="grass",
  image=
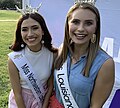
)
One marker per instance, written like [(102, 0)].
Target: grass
[(9, 15), (7, 29)]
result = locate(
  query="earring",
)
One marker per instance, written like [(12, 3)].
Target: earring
[(42, 42), (22, 45), (71, 41), (93, 39)]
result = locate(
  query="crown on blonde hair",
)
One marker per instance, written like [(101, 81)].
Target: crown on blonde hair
[(85, 1)]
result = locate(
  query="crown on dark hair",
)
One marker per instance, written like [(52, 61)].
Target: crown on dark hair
[(28, 9)]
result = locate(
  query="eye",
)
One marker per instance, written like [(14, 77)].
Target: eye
[(75, 21), (35, 28), (88, 23), (24, 29)]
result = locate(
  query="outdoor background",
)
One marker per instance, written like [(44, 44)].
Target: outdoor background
[(55, 18), (8, 20)]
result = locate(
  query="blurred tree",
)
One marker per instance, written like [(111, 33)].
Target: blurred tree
[(10, 4)]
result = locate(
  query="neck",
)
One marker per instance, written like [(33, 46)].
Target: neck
[(35, 48), (79, 51)]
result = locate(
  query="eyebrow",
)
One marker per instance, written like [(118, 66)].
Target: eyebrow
[(90, 20), (31, 26), (85, 20)]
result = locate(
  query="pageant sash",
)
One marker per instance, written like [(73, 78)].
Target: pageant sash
[(27, 71), (63, 85)]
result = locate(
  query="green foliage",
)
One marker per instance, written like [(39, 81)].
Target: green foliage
[(10, 4), (7, 29)]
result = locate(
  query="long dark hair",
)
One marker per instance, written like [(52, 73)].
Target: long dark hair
[(46, 37)]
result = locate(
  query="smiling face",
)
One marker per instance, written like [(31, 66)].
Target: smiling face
[(82, 25), (32, 32)]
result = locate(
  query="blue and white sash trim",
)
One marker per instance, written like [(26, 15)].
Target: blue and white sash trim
[(27, 71), (64, 88)]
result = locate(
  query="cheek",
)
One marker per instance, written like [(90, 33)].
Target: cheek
[(72, 28), (39, 35), (39, 32), (92, 30), (23, 35), (70, 31)]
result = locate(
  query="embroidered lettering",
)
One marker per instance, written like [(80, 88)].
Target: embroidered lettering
[(32, 80), (25, 69), (35, 86), (64, 91), (18, 56)]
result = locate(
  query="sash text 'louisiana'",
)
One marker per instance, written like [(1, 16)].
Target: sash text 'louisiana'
[(64, 90)]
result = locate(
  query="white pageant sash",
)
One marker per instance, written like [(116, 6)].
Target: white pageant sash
[(27, 71), (64, 88)]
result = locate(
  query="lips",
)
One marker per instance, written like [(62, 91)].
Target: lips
[(80, 36), (31, 39)]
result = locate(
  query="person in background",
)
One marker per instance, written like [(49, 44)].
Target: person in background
[(30, 62), (84, 72)]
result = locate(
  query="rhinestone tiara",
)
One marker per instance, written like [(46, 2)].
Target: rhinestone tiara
[(28, 9), (85, 1)]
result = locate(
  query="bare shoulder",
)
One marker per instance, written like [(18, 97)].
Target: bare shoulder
[(10, 62), (109, 63), (11, 66), (107, 71), (103, 84), (108, 66)]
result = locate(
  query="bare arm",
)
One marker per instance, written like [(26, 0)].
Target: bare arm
[(103, 84), (15, 83), (50, 85), (48, 94)]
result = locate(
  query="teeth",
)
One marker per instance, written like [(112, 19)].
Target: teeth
[(80, 35), (31, 39)]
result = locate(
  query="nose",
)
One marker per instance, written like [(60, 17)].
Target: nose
[(81, 27), (30, 32)]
